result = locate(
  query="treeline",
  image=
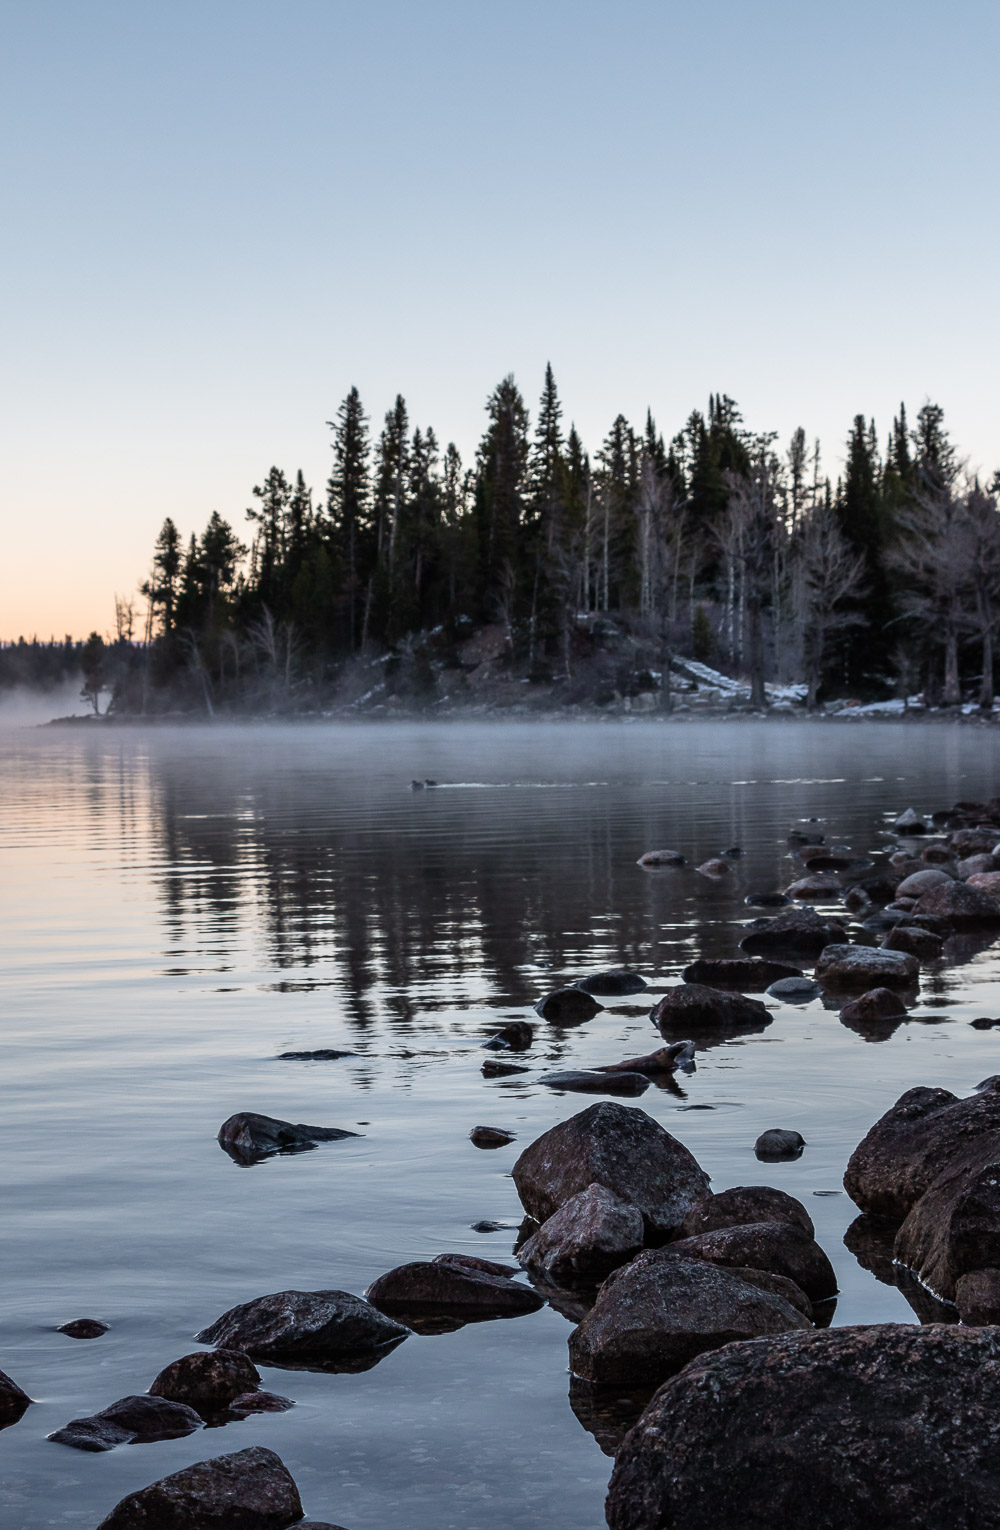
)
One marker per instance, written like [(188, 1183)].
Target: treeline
[(719, 543)]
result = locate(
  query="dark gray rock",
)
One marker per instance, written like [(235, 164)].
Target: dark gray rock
[(922, 944), (597, 1082), (621, 1148), (258, 1402), (766, 900), (249, 1490), (876, 1004), (781, 1247), (423, 1284), (83, 1328), (794, 990), (661, 858), (515, 1036), (490, 1137), (843, 966), (612, 984), (890, 1425), (746, 974), (322, 1054), (798, 932), (248, 1138), (823, 889), (959, 904), (13, 1401), (130, 1421), (493, 1068), (954, 1228), (977, 1297), (208, 1379), (910, 823), (590, 1234), (694, 1007), (742, 1205), (476, 1262), (778, 1143), (923, 1135), (715, 869), (567, 1005), (656, 1314), (980, 840), (321, 1330)]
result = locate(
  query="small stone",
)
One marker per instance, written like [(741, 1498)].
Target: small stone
[(796, 990), (323, 1054), (259, 1402), (766, 899), (591, 1234), (486, 1226), (715, 869), (661, 858), (777, 1143), (922, 944), (490, 1137), (746, 974), (609, 984), (83, 1328), (983, 1023), (492, 1068), (423, 1284), (515, 1036), (679, 1054), (864, 966), (247, 1137), (329, 1329), (694, 1007), (910, 823)]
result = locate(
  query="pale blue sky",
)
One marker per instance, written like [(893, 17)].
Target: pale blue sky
[(218, 216)]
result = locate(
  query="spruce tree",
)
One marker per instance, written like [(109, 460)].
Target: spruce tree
[(348, 511)]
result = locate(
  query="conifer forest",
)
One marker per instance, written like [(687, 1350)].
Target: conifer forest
[(578, 572)]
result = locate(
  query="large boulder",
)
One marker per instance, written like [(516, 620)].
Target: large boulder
[(747, 974), (923, 1135), (316, 1329), (590, 1234), (694, 1007), (656, 1314), (798, 932), (742, 1205), (249, 1490), (892, 1425), (13, 1401), (866, 967), (247, 1137), (137, 1420), (208, 1379), (960, 904), (954, 1228), (458, 1289), (621, 1148), (782, 1247)]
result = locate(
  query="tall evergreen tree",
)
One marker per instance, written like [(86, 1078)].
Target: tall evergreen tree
[(348, 509)]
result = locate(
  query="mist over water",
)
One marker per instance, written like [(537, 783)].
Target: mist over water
[(179, 906)]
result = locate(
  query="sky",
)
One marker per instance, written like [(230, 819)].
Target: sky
[(220, 215)]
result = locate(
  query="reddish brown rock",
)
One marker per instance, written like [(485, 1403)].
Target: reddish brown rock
[(923, 1135), (959, 904), (987, 882), (742, 1205), (248, 1490), (876, 1004), (923, 944), (977, 1297), (590, 1234), (424, 1284), (782, 1247), (798, 931), (207, 1379)]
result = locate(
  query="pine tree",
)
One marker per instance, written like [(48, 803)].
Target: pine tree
[(348, 509), (500, 505), (161, 588)]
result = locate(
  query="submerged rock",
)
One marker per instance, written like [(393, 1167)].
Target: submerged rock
[(83, 1328), (656, 1314), (876, 1004), (693, 1007), (715, 869), (13, 1401), (661, 858), (663, 1060), (493, 1068), (609, 984), (208, 1379), (247, 1137), (621, 1148), (568, 1004), (777, 1143), (747, 974), (794, 990), (766, 899), (890, 1425), (612, 1081), (248, 1490), (318, 1329), (866, 966), (130, 1421), (515, 1036), (490, 1137), (743, 1205), (458, 1289), (322, 1054), (590, 1234)]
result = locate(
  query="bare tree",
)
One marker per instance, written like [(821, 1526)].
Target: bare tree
[(196, 664), (124, 618), (828, 576), (979, 543), (747, 538), (931, 558)]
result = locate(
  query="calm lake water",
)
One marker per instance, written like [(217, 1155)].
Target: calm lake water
[(180, 906)]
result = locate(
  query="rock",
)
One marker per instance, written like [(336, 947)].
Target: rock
[(819, 860), (476, 1262), (129, 1421), (856, 900), (621, 1148), (743, 1205), (590, 1234), (890, 1425), (910, 823), (661, 858), (742, 973), (974, 865), (981, 840), (988, 1083), (248, 1138), (922, 881), (249, 1490), (794, 990), (804, 836), (821, 888), (959, 904), (656, 1314), (798, 930), (323, 1054), (694, 1007), (776, 1144), (766, 900), (937, 855), (207, 1379), (715, 869), (610, 984), (866, 966), (515, 1036), (330, 1329), (923, 1135), (485, 1225), (492, 1068), (954, 1228), (259, 1402), (922, 944), (987, 882), (977, 1297), (567, 1004), (878, 889), (777, 1285), (876, 1005), (781, 1247), (663, 1060), (597, 1082), (983, 1023), (83, 1328), (423, 1285), (490, 1137), (13, 1401)]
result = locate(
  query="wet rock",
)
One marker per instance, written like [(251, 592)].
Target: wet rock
[(259, 1402), (694, 1007), (954, 1228), (321, 1330), (715, 869), (746, 974), (924, 1134), (794, 990), (567, 1004), (594, 1082), (937, 855), (493, 1068), (766, 899), (656, 1314), (878, 889), (856, 900), (960, 904), (515, 1036), (207, 1379), (322, 1054), (922, 881), (782, 1247), (987, 882), (422, 1285), (621, 1148), (910, 823), (842, 966), (890, 1425), (972, 865), (487, 1226), (611, 984), (590, 1234), (13, 1401), (248, 1138), (922, 944), (777, 1143), (817, 860), (83, 1328), (977, 1297), (870, 1240), (821, 888), (661, 858), (476, 1262), (490, 1137), (743, 1205), (129, 1421), (663, 1060), (988, 1083), (248, 1490), (977, 841), (798, 930), (805, 836), (983, 1023), (777, 1285), (873, 1007)]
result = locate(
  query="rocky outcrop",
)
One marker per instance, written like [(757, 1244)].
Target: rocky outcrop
[(321, 1330), (782, 1247), (249, 1490), (426, 1284), (926, 1133), (621, 1148), (248, 1138), (135, 1420), (13, 1401), (208, 1379), (742, 1205), (567, 1005), (694, 1007), (590, 1234), (891, 1425), (746, 974), (656, 1314), (613, 984), (843, 966)]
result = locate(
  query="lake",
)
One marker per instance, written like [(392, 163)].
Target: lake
[(181, 905)]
